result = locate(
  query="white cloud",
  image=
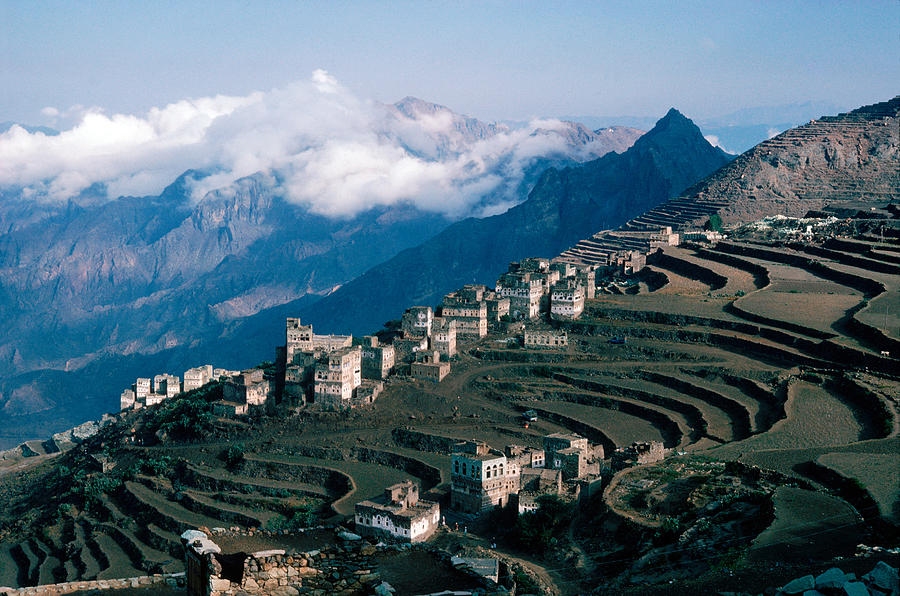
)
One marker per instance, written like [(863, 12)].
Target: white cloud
[(333, 151)]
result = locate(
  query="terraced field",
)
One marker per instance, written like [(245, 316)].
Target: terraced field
[(753, 352)]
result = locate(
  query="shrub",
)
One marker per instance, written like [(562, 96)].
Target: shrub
[(714, 223), (188, 416), (539, 530), (233, 456), (303, 516)]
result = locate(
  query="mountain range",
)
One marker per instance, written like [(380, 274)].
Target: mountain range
[(95, 291)]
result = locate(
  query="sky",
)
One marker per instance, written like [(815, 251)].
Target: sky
[(493, 60), (142, 91)]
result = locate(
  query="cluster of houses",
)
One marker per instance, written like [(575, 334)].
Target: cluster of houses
[(482, 478), (146, 391)]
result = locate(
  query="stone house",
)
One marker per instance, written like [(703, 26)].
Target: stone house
[(337, 375), (428, 367), (468, 308), (398, 514), (587, 277), (443, 337), (197, 377), (298, 338), (627, 262), (142, 388), (127, 400), (479, 478), (638, 453), (545, 338), (664, 237), (566, 300), (416, 321), (166, 385), (250, 388), (377, 360), (405, 348), (571, 454), (524, 293), (497, 308)]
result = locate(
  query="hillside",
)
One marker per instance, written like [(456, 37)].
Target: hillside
[(564, 205), (782, 423), (843, 163)]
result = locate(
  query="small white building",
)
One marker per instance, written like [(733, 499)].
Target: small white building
[(545, 338), (398, 514)]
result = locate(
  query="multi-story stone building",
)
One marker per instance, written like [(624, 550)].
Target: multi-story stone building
[(627, 262), (301, 339), (572, 454), (443, 337), (142, 388), (405, 348), (497, 308), (565, 270), (337, 375), (398, 514), (664, 237), (298, 338), (587, 277), (416, 321), (479, 478), (250, 388), (468, 308), (566, 300), (166, 385), (377, 359), (197, 377), (524, 292), (428, 366), (126, 400)]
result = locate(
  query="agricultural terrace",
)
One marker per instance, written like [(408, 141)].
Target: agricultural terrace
[(758, 365)]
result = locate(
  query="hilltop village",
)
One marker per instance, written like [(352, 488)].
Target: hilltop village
[(657, 410), (340, 372)]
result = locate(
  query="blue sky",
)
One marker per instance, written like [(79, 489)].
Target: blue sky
[(493, 60)]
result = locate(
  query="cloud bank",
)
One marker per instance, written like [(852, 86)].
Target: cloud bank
[(332, 151)]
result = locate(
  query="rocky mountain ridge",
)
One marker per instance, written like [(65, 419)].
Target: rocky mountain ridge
[(564, 205)]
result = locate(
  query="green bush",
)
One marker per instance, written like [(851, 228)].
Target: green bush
[(233, 456), (537, 531), (188, 416), (714, 223), (302, 517)]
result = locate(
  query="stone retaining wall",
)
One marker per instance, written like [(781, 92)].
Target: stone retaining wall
[(333, 569), (144, 581)]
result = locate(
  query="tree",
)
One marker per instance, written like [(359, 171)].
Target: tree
[(714, 223)]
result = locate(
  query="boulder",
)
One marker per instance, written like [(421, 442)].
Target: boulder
[(855, 589), (799, 585), (883, 577), (832, 578)]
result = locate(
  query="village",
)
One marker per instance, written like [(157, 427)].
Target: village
[(530, 309), (340, 372)]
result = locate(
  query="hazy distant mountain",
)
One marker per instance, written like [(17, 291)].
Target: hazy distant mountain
[(565, 206), (737, 131), (4, 126)]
